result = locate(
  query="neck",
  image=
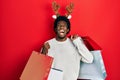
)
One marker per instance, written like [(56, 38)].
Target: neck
[(61, 39)]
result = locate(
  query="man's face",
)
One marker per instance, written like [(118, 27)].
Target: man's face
[(62, 29)]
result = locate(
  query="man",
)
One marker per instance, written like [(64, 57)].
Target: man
[(67, 52)]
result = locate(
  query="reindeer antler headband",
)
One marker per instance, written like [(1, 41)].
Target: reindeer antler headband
[(56, 7)]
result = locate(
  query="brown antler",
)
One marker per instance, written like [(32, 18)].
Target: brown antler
[(69, 9), (55, 7)]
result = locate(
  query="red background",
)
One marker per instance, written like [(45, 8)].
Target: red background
[(26, 24)]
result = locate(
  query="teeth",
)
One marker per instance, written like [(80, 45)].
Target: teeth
[(62, 31)]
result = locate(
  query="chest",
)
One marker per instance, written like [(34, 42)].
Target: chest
[(63, 50)]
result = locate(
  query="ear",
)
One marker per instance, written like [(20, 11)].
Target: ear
[(55, 30), (67, 30)]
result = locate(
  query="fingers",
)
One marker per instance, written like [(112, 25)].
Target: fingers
[(45, 48), (73, 37), (46, 45)]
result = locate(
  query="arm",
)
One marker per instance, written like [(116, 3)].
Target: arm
[(45, 47), (87, 57)]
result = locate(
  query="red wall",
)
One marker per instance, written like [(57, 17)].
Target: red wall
[(26, 24)]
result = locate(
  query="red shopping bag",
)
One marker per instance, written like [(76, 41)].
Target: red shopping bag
[(37, 67), (90, 44)]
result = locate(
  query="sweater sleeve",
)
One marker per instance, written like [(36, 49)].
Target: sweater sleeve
[(86, 55)]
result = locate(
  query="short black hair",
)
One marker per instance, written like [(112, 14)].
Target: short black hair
[(62, 18)]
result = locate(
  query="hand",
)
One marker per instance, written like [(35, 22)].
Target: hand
[(45, 48), (73, 37)]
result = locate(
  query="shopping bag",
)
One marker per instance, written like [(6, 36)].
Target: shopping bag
[(91, 44), (37, 67), (55, 74), (95, 70)]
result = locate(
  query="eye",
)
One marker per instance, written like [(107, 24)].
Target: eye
[(58, 24)]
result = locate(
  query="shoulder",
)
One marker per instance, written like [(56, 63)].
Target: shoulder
[(48, 43), (50, 40)]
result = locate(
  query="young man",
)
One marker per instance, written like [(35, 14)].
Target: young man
[(67, 52)]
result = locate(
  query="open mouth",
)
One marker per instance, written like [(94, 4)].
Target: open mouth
[(61, 32)]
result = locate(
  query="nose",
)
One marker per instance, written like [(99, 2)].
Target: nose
[(61, 26)]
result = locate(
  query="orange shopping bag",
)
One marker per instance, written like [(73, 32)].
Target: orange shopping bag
[(37, 67)]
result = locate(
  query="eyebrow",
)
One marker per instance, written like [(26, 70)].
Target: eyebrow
[(59, 23)]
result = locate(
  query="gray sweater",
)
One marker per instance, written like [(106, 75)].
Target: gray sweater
[(67, 56)]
